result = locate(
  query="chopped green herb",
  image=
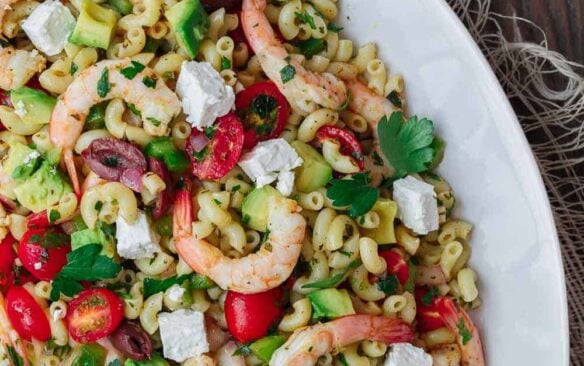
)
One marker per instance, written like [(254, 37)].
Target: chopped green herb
[(245, 219), (311, 47), (14, 356), (265, 236), (103, 85), (430, 295), (130, 72), (236, 188), (210, 132), (154, 121), (98, 205), (407, 145), (463, 331), (334, 28), (354, 192), (306, 18), (343, 360), (264, 105), (335, 280), (287, 73), (134, 110), (394, 98), (74, 68), (51, 239), (54, 215), (200, 155), (389, 285), (345, 253), (217, 202), (225, 63), (149, 82)]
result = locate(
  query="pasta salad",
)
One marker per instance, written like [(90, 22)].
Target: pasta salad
[(219, 182)]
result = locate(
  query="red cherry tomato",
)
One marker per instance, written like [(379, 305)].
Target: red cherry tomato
[(222, 151), (396, 264), (350, 146), (7, 257), (427, 313), (38, 220), (249, 317), (94, 314), (26, 315), (44, 252), (264, 112)]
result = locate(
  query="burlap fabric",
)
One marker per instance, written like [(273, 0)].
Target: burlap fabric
[(547, 92)]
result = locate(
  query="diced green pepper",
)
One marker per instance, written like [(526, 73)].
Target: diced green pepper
[(163, 148), (264, 348), (189, 22)]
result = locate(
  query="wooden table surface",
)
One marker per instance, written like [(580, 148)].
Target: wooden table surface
[(562, 20)]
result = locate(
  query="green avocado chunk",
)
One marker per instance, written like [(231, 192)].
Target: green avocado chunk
[(93, 236), (315, 172), (189, 21), (21, 161), (254, 208), (330, 303), (43, 189), (37, 105), (95, 26)]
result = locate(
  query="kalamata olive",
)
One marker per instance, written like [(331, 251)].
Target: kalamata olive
[(116, 160), (133, 341), (229, 5), (165, 198)]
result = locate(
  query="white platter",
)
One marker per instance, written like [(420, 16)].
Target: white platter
[(499, 189)]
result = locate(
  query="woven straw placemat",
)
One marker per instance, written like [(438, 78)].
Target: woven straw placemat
[(552, 118)]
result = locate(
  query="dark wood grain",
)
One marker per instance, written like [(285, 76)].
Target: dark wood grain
[(562, 21)]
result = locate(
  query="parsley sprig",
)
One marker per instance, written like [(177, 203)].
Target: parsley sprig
[(355, 193), (463, 331), (130, 72), (407, 145), (335, 280)]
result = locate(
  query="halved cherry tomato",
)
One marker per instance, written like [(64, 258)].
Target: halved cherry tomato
[(7, 257), (94, 314), (38, 220), (350, 146), (26, 315), (396, 264), (44, 252), (427, 313), (220, 153), (249, 317), (264, 112)]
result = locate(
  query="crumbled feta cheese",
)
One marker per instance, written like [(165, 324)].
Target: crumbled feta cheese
[(176, 292), (137, 240), (183, 334), (38, 265), (404, 354), (417, 205), (58, 314), (20, 109), (268, 160), (285, 182), (203, 93), (30, 157), (49, 26)]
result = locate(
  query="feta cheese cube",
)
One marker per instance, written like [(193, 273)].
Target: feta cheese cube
[(203, 93), (417, 205), (183, 334), (270, 160), (176, 292), (404, 354), (137, 240), (49, 26)]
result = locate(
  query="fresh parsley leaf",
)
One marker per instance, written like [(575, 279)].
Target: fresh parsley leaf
[(287, 73), (334, 28), (335, 280), (86, 264), (354, 192), (98, 205), (342, 359), (389, 285), (311, 47), (306, 18), (133, 109), (236, 188), (153, 286), (265, 237), (103, 85), (264, 105), (74, 68), (394, 98), (130, 72), (154, 121), (54, 215), (200, 155), (210, 132), (407, 145), (463, 331), (51, 239), (217, 202), (225, 63), (65, 286), (149, 82), (430, 295)]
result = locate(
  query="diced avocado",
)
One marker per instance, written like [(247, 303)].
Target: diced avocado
[(95, 26), (43, 189), (264, 348), (315, 172), (384, 233), (330, 303), (156, 360), (93, 236), (19, 156), (254, 208), (91, 354), (37, 105), (189, 22), (123, 7)]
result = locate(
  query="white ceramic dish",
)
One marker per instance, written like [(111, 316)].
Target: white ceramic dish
[(523, 319)]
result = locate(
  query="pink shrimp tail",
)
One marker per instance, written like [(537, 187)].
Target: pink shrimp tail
[(183, 210), (72, 170), (355, 328)]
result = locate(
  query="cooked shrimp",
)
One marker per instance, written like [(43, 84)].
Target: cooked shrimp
[(306, 89), (18, 66), (156, 103), (307, 344), (468, 338), (258, 272), (226, 355), (9, 339)]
